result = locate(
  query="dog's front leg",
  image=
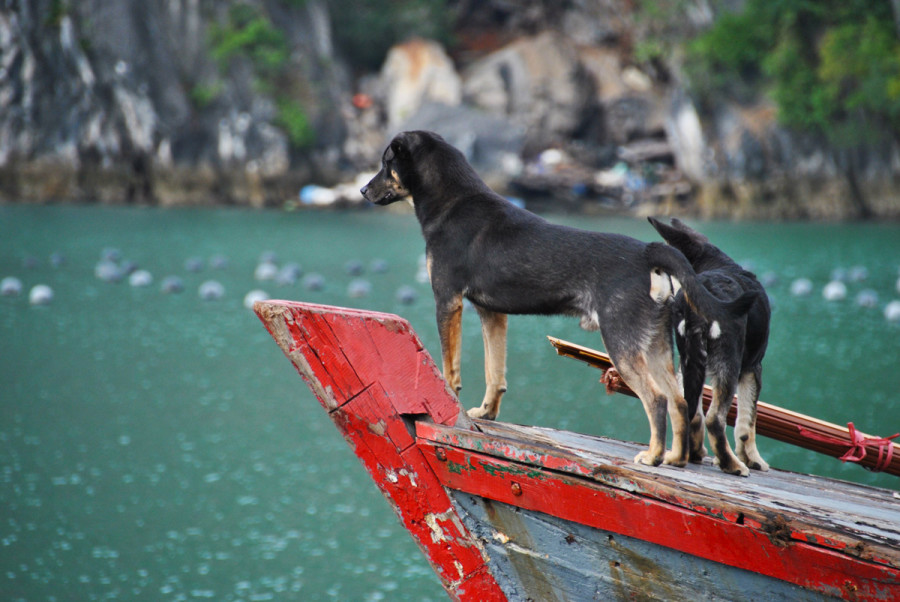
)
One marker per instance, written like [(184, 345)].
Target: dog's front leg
[(449, 322), (493, 329)]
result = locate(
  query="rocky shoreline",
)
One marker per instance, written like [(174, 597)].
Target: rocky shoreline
[(561, 116)]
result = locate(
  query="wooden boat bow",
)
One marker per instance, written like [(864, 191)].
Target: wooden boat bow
[(507, 512)]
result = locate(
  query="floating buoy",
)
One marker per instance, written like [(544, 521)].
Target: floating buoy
[(211, 290), (379, 266), (111, 254), (218, 262), (57, 260), (867, 298), (10, 287), (354, 267), (254, 296), (768, 279), (314, 282), (834, 291), (265, 271), (801, 287), (140, 278), (288, 274), (858, 273), (172, 284), (40, 294), (359, 288), (892, 311), (194, 264), (108, 271), (268, 257), (406, 295)]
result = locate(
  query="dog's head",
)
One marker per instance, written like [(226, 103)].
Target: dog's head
[(682, 237), (392, 183)]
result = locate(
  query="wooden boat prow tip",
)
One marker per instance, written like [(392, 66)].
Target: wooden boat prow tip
[(508, 512)]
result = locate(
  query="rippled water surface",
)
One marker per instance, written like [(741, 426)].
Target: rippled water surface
[(159, 446)]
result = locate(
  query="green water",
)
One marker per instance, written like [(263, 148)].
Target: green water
[(158, 446)]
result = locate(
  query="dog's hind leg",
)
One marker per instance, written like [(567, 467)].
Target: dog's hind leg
[(723, 393), (493, 329), (449, 321), (692, 349), (745, 426), (634, 371)]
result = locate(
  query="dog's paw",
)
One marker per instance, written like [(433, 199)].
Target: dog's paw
[(752, 460), (646, 458), (735, 467), (673, 459), (758, 464), (481, 413), (698, 455)]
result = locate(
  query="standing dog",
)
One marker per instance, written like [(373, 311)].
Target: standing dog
[(506, 260), (729, 350)]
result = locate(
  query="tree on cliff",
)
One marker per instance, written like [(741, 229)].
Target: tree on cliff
[(831, 66)]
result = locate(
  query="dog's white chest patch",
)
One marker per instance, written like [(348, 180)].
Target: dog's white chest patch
[(715, 331)]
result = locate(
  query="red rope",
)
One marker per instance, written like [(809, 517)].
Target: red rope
[(857, 450)]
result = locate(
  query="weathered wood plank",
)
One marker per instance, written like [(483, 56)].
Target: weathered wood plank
[(537, 555)]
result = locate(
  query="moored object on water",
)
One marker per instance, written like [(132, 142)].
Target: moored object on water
[(10, 287), (218, 262), (801, 287), (858, 273), (406, 295), (172, 284), (266, 270), (892, 311), (40, 294), (253, 296), (314, 282), (194, 264), (379, 266), (354, 267), (359, 288), (140, 278), (211, 290), (867, 298), (108, 271), (835, 290), (288, 274)]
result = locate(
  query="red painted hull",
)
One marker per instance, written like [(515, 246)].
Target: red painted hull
[(388, 399)]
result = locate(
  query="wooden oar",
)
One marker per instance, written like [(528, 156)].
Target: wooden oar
[(846, 443)]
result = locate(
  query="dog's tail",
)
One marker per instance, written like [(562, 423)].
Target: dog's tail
[(673, 262)]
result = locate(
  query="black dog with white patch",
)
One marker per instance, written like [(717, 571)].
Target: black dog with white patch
[(729, 350), (506, 260)]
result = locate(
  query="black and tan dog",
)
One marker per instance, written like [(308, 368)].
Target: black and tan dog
[(506, 260), (729, 351)]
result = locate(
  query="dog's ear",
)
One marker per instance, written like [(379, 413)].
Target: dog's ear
[(680, 225), (402, 145), (680, 236)]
